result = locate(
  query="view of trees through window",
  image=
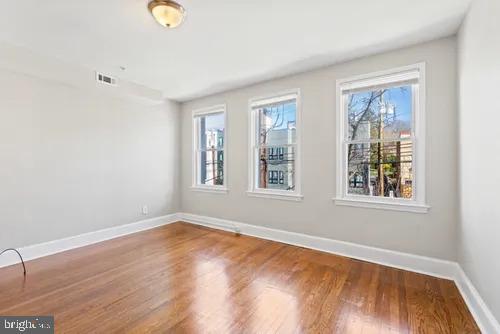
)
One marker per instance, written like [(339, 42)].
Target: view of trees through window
[(211, 149), (379, 142), (276, 140)]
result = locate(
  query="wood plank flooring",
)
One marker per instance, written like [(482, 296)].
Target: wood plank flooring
[(183, 278)]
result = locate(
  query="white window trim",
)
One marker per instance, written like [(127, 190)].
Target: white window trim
[(219, 189), (388, 77), (253, 191)]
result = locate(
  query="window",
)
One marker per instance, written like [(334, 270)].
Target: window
[(274, 152), (276, 177), (381, 140), (273, 177), (209, 167)]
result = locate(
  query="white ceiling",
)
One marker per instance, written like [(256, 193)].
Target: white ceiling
[(223, 43)]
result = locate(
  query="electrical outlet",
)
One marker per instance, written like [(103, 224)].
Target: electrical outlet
[(145, 210)]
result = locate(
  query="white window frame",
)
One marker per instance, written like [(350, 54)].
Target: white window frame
[(407, 74), (253, 189), (195, 186)]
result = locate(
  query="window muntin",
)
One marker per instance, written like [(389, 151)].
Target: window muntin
[(209, 149), (274, 145), (381, 139)]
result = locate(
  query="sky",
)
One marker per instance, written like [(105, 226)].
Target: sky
[(214, 122), (398, 96), (401, 98), (289, 114)]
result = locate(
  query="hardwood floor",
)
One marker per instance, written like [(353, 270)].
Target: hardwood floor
[(183, 278)]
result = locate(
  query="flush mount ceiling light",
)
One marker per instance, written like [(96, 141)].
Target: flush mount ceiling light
[(167, 13)]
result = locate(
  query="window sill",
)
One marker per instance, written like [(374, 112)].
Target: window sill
[(274, 195), (214, 190), (405, 207)]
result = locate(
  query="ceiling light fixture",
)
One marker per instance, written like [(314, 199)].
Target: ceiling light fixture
[(167, 13)]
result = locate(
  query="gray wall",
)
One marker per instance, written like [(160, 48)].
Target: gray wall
[(76, 160), (479, 72), (432, 234)]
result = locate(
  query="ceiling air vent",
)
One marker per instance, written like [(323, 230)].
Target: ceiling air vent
[(105, 79)]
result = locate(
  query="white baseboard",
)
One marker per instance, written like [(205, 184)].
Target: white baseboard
[(483, 315), (57, 246), (416, 263)]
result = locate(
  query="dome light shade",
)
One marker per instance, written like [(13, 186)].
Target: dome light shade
[(167, 13)]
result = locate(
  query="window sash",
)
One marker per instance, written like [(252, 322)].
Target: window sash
[(197, 150), (258, 129), (367, 85), (346, 171), (256, 165), (373, 82), (199, 181), (197, 120), (415, 96), (210, 149), (377, 141), (273, 101), (255, 107), (275, 145)]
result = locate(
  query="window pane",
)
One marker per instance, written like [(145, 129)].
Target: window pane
[(211, 167), (211, 131), (276, 124), (276, 168), (383, 169), (378, 114)]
